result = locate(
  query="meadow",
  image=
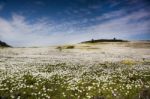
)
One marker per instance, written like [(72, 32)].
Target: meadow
[(81, 71)]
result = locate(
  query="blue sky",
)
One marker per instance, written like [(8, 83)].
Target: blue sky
[(53, 22)]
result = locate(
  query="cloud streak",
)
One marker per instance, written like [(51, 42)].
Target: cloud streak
[(20, 32), (123, 25)]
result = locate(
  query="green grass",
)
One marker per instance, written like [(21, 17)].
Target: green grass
[(107, 80)]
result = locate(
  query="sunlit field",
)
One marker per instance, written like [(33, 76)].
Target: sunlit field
[(119, 70)]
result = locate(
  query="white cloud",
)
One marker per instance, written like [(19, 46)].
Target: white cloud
[(20, 32), (122, 26)]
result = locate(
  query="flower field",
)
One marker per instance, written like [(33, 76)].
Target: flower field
[(84, 72)]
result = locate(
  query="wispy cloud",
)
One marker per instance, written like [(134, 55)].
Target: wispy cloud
[(20, 32), (122, 25)]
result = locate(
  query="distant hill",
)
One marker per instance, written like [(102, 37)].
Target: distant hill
[(104, 40), (3, 44)]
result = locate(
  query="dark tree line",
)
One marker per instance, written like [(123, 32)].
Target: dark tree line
[(3, 44)]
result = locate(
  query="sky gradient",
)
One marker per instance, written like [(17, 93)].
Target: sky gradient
[(53, 22)]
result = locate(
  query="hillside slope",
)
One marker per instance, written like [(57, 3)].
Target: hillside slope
[(3, 44), (104, 40)]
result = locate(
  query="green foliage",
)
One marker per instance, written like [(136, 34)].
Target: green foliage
[(70, 47), (60, 48)]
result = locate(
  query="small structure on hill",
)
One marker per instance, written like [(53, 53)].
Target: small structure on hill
[(114, 38)]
